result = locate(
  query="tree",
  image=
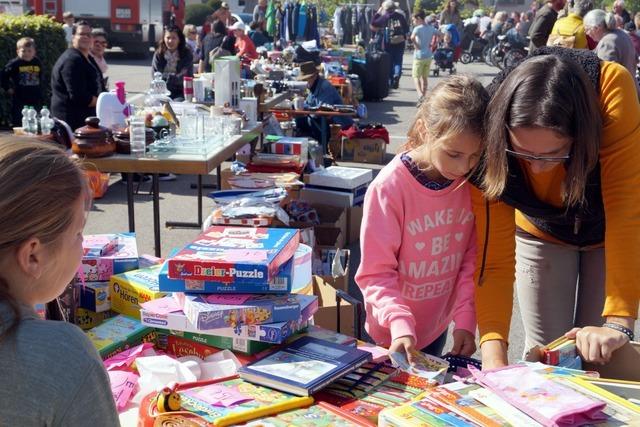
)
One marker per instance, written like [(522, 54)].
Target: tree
[(196, 14)]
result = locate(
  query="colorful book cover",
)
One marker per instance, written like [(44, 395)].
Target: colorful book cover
[(281, 283), (361, 381), (511, 414), (131, 289), (318, 415), (87, 319), (304, 366), (220, 311), (180, 347), (274, 333), (424, 365), (441, 413), (121, 259), (408, 416), (96, 245), (455, 399), (233, 401), (235, 255), (560, 352), (117, 334)]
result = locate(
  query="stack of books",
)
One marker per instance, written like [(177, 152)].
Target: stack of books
[(231, 289)]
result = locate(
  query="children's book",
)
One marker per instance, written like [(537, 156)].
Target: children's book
[(455, 397), (220, 311), (305, 366), (360, 382), (502, 407), (235, 255), (410, 415), (223, 402), (318, 415), (274, 333)]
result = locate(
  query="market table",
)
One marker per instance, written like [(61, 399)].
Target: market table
[(189, 164)]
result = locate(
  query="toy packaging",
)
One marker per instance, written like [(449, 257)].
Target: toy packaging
[(281, 283), (129, 290), (235, 255), (118, 334), (96, 245), (95, 296), (121, 259), (87, 319), (238, 345), (219, 311)]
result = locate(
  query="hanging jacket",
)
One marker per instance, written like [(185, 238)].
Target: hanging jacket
[(271, 19), (302, 20), (337, 23)]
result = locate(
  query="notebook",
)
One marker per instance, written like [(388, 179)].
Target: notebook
[(305, 366)]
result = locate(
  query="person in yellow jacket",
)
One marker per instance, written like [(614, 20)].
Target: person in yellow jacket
[(559, 207), (572, 25)]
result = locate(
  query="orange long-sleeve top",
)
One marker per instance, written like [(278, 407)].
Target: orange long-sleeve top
[(620, 181)]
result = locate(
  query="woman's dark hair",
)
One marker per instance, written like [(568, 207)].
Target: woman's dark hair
[(182, 44), (219, 27), (549, 92)]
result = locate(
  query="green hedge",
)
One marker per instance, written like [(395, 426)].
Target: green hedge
[(50, 44), (196, 14)]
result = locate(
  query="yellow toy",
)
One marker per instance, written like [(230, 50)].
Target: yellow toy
[(168, 400)]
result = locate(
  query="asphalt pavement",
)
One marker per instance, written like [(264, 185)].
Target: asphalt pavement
[(178, 199)]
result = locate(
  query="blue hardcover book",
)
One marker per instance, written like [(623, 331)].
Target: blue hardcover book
[(274, 333), (235, 255), (281, 283), (304, 366), (220, 311)]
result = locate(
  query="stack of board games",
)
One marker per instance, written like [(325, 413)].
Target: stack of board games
[(231, 289)]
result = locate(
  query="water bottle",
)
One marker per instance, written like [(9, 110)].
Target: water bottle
[(25, 121), (32, 121), (137, 137), (46, 122)]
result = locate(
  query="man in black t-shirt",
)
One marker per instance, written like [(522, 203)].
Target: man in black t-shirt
[(22, 79)]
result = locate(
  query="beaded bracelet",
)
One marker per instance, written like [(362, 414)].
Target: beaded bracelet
[(628, 332)]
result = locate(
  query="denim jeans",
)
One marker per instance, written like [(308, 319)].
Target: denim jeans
[(437, 347), (396, 52)]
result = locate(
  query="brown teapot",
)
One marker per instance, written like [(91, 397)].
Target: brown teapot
[(93, 140)]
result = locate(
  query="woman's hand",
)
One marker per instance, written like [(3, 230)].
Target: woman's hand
[(405, 345), (597, 344), (464, 343), (494, 354)]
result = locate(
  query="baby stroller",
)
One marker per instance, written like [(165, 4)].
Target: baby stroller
[(448, 51)]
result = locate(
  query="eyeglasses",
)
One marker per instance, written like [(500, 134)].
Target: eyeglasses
[(534, 158), (84, 34), (100, 43)]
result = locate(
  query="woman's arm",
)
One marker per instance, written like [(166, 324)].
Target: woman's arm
[(495, 271)]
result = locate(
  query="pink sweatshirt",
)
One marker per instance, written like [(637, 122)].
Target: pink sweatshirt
[(418, 250)]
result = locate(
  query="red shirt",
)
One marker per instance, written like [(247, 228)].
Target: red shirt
[(245, 47)]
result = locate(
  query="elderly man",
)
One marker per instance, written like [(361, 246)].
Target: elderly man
[(321, 92), (76, 80), (223, 14), (543, 23), (619, 10), (571, 26)]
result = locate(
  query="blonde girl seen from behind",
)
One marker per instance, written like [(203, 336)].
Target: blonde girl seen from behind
[(418, 236)]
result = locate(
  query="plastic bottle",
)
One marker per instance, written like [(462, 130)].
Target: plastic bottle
[(46, 122), (25, 122), (112, 108), (137, 137), (32, 121)]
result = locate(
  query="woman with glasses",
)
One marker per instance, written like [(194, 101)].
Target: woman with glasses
[(560, 178), (97, 52), (174, 60)]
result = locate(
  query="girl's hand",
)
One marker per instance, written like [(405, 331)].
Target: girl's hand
[(464, 343), (597, 344), (405, 345)]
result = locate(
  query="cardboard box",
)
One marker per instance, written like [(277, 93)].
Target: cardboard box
[(321, 196), (363, 150), (327, 314), (326, 256), (124, 258), (119, 333), (95, 296), (87, 319), (354, 222), (129, 290)]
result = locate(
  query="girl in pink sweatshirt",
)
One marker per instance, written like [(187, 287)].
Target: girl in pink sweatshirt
[(418, 240)]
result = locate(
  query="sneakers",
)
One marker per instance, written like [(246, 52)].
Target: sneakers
[(166, 177), (396, 82)]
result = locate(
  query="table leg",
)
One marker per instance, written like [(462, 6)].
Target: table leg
[(219, 177), (323, 135), (130, 211), (156, 214), (181, 224)]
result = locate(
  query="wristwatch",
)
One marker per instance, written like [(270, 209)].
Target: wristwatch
[(615, 326)]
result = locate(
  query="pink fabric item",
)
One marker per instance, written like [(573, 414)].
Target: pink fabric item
[(549, 403), (418, 251)]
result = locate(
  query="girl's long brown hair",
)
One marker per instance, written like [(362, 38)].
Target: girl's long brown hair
[(39, 185), (549, 92)]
